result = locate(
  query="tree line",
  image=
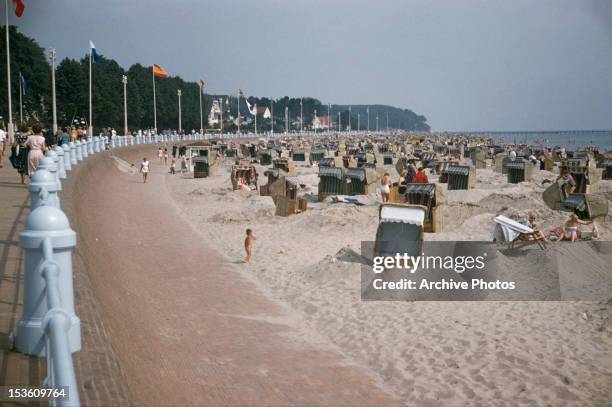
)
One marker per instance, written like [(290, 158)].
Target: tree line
[(72, 86)]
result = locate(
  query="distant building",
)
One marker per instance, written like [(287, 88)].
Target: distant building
[(321, 122), (264, 111), (214, 117)]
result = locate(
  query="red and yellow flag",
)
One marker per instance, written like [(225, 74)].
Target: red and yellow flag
[(159, 72), (19, 7), (202, 84)]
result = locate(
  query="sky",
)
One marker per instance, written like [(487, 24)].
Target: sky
[(464, 64)]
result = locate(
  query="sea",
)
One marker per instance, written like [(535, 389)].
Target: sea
[(570, 139)]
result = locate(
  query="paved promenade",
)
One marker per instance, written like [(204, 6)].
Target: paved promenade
[(15, 368), (100, 378), (167, 321)]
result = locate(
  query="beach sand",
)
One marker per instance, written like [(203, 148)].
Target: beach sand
[(428, 353)]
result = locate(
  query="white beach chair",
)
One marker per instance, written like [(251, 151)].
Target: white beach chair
[(508, 230), (400, 229)]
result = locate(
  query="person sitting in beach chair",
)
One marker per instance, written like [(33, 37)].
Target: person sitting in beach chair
[(568, 183), (511, 231), (533, 224), (420, 177)]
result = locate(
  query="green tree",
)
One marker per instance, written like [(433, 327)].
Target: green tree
[(28, 58)]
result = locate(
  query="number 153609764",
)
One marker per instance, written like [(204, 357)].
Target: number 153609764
[(25, 393)]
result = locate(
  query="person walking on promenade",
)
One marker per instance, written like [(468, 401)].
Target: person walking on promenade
[(248, 245), (19, 154), (160, 155), (165, 155), (37, 145), (144, 168), (2, 145)]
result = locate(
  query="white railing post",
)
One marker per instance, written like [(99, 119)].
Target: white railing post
[(47, 164), (43, 189), (46, 223), (67, 159), (85, 147), (73, 153), (61, 163), (79, 150)]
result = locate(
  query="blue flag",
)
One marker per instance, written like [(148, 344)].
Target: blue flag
[(94, 55), (24, 84)]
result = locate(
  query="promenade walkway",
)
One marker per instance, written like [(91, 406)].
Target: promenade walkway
[(170, 322)]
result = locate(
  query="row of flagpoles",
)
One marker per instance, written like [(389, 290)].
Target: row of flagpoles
[(19, 8), (157, 72)]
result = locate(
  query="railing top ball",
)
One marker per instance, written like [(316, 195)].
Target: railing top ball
[(47, 222), (51, 153), (46, 162), (59, 150), (47, 218), (71, 144), (42, 176)]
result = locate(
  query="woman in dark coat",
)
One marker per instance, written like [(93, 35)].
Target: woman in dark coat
[(19, 155)]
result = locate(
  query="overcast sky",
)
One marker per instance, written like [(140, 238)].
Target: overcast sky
[(464, 64)]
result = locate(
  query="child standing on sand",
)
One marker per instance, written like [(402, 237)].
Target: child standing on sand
[(248, 245), (173, 166)]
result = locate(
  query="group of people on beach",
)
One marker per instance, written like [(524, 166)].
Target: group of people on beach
[(411, 175), (568, 231)]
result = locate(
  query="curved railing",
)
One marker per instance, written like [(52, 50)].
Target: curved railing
[(49, 326)]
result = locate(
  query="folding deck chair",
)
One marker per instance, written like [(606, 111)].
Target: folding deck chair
[(511, 231)]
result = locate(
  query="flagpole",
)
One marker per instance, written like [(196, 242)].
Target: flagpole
[(90, 129), (221, 115), (154, 102), (179, 93), (20, 99), (201, 117), (301, 116), (349, 121), (238, 112), (8, 77), (125, 121), (286, 119), (53, 55)]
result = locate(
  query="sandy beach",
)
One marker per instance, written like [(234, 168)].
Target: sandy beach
[(427, 353)]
